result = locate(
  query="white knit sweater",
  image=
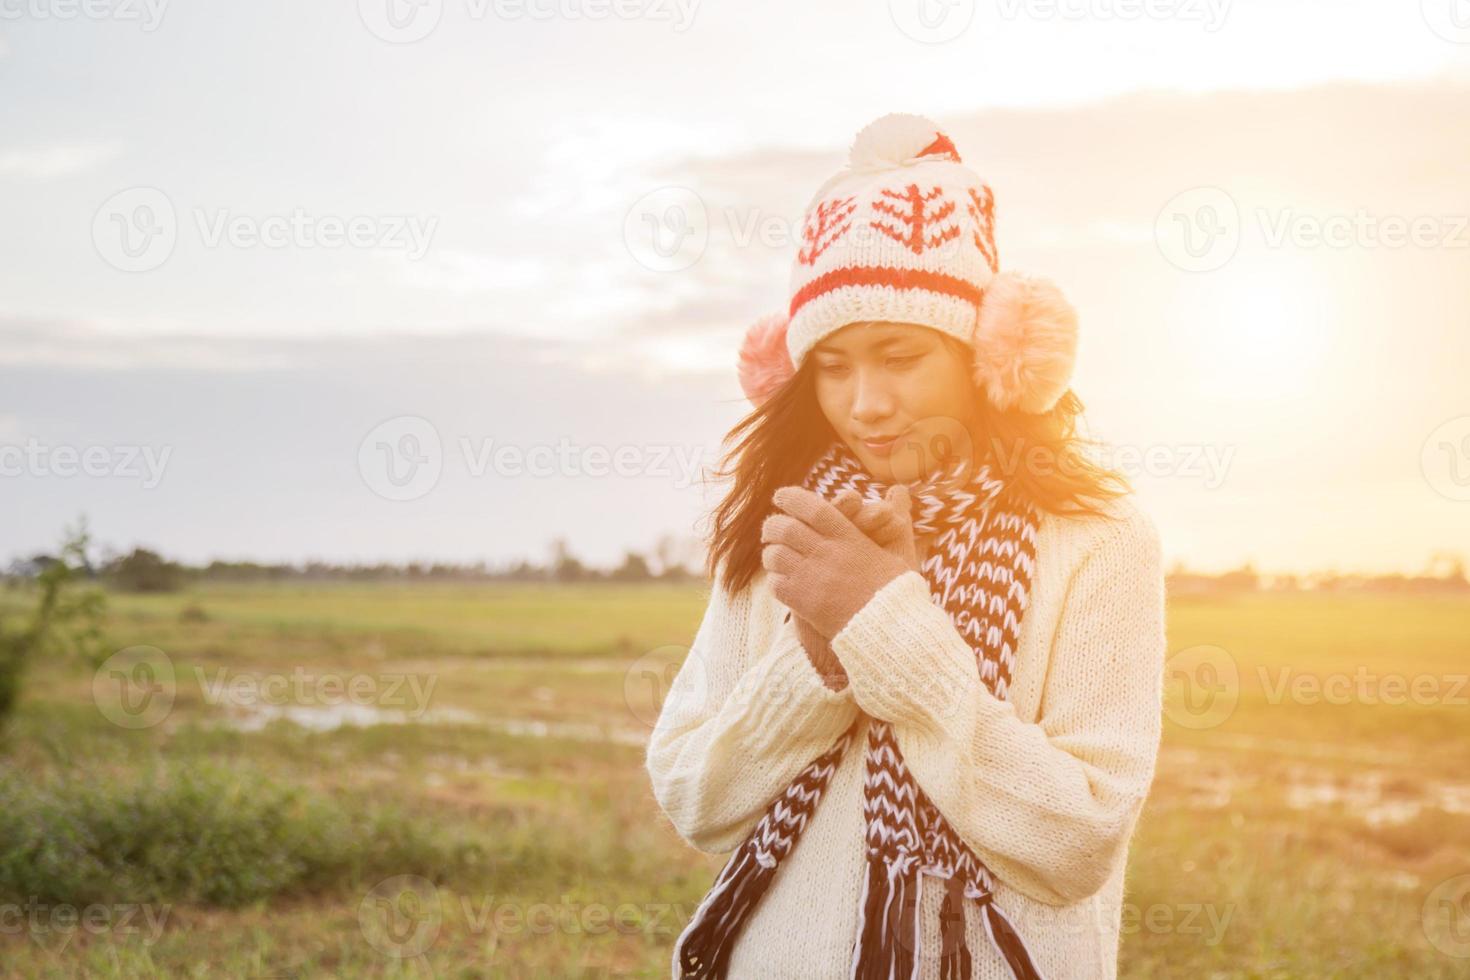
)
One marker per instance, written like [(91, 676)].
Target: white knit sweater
[(1046, 787)]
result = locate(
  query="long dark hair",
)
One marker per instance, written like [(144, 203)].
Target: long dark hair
[(776, 444)]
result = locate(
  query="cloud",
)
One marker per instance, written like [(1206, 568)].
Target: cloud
[(56, 160), (460, 271), (80, 346), (1079, 189), (115, 347)]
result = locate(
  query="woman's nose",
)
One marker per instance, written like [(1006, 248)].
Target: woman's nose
[(871, 399)]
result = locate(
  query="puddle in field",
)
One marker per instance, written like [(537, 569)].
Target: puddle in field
[(1382, 798), (330, 717), (576, 731), (570, 665), (1365, 795), (1379, 797), (1402, 880)]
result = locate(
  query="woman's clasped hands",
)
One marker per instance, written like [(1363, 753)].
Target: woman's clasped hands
[(827, 559)]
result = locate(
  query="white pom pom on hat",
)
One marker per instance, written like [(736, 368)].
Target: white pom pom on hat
[(889, 141), (925, 254)]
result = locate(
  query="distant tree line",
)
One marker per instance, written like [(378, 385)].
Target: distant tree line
[(1445, 573), (672, 559)]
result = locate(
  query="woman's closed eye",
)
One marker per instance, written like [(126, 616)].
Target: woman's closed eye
[(836, 370)]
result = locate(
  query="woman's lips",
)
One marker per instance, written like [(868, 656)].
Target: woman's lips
[(881, 448)]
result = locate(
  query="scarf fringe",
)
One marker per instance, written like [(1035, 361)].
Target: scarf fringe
[(706, 943), (889, 914), (1008, 943), (955, 962), (885, 942)]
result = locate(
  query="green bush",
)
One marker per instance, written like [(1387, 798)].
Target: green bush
[(13, 649), (202, 835), (67, 620), (142, 570), (193, 613)]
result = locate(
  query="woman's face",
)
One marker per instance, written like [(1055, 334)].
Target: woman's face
[(883, 380)]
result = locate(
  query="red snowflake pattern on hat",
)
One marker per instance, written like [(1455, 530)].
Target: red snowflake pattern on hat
[(918, 220), (982, 209), (828, 222)]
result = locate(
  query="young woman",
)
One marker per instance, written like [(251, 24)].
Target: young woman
[(923, 706)]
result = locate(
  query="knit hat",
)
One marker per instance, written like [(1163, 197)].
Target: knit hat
[(906, 232)]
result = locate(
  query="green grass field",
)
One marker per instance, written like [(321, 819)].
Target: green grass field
[(469, 800)]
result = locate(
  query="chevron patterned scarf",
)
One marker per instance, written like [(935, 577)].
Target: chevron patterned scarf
[(979, 570)]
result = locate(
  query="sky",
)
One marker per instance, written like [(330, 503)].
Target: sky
[(387, 280)]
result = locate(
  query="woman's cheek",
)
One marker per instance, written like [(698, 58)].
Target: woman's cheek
[(831, 398), (922, 393)]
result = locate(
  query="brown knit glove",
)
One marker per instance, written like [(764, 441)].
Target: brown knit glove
[(818, 649), (823, 566)]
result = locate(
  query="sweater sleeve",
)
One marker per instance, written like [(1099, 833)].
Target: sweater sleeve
[(739, 723), (1048, 806)]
